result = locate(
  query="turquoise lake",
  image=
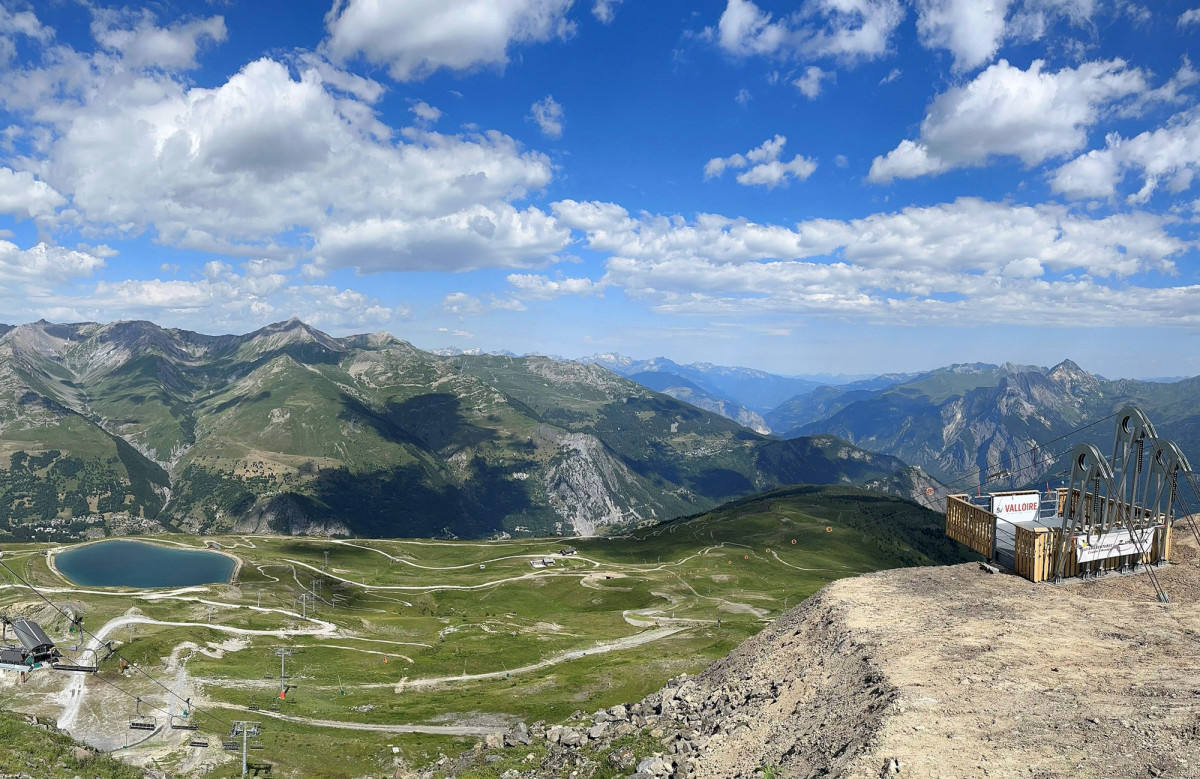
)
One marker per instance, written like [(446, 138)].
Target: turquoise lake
[(137, 564)]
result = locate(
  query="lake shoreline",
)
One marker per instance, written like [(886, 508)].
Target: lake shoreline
[(225, 577)]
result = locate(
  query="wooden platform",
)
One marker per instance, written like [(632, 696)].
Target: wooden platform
[(1036, 541)]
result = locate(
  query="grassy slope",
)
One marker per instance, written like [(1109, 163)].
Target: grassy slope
[(715, 566), (48, 754)]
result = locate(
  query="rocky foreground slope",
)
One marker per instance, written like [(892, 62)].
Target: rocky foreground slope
[(925, 672)]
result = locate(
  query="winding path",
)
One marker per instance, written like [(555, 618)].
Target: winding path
[(442, 730)]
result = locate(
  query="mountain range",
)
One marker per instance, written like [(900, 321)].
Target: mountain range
[(288, 429), (1005, 425), (757, 391)]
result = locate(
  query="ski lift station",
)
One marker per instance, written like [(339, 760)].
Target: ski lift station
[(1115, 515)]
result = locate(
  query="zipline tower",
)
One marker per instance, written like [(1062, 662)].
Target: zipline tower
[(1115, 514)]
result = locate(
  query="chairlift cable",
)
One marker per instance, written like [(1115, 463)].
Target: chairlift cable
[(100, 643)]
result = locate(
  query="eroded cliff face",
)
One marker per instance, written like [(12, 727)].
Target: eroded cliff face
[(928, 672), (584, 486), (287, 516)]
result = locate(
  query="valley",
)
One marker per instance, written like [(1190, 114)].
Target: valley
[(430, 645)]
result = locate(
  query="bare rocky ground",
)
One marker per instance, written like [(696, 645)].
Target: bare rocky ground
[(928, 672)]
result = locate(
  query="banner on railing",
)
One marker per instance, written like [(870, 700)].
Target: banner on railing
[(1115, 543)]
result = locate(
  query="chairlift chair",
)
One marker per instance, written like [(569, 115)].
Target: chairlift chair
[(178, 723), (198, 742), (142, 721), (231, 746)]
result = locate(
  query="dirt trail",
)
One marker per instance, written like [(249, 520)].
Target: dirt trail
[(73, 695), (627, 642), (445, 730)]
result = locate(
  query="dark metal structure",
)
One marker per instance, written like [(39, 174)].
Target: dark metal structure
[(1127, 502), (1115, 515), (35, 649), (142, 721)]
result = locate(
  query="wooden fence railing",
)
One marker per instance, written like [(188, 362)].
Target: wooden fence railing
[(971, 525)]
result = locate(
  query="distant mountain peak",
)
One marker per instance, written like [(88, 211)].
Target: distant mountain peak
[(292, 331), (1068, 370)]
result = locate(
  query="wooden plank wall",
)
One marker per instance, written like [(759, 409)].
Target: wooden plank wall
[(1139, 513), (1034, 553), (970, 525), (1036, 547)]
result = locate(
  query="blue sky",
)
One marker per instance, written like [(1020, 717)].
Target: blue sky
[(837, 186)]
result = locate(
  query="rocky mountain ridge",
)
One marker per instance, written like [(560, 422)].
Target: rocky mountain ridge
[(288, 429), (1010, 423)]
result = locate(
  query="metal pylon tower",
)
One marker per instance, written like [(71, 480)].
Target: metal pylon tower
[(283, 653), (247, 730)]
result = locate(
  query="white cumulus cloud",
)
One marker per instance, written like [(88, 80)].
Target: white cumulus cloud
[(762, 166), (970, 29), (969, 260), (811, 80), (425, 112), (549, 116), (142, 43), (274, 161), (1031, 114), (42, 267), (537, 286), (1166, 157), (605, 10), (414, 38), (850, 30), (25, 196)]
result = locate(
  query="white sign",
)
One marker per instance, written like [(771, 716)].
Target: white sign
[(1017, 507), (1113, 544)]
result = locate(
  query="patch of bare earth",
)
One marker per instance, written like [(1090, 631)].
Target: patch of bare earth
[(954, 672)]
